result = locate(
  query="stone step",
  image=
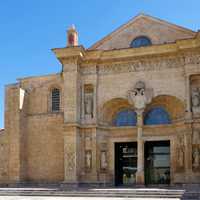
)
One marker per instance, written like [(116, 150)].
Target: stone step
[(103, 192), (98, 193), (105, 196), (191, 196)]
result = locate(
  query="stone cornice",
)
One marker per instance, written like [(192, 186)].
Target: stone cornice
[(178, 47), (69, 54)]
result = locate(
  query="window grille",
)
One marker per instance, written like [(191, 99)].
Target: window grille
[(55, 99)]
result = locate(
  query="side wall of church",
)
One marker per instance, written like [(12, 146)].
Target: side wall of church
[(44, 132), (45, 148), (32, 143), (4, 157), (14, 131)]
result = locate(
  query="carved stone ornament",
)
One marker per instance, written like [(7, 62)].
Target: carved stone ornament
[(88, 159), (180, 151), (69, 156), (180, 158), (196, 100), (196, 157), (140, 96), (153, 64), (88, 142), (196, 137), (88, 104), (192, 58), (103, 160)]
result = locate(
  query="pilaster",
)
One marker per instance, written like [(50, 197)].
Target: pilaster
[(70, 58), (94, 154), (188, 152), (71, 92), (15, 128), (72, 154), (188, 99)]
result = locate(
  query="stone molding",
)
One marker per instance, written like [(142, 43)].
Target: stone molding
[(146, 64), (142, 65), (192, 59)]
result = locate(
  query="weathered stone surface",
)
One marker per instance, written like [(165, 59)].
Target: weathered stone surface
[(76, 144), (158, 31)]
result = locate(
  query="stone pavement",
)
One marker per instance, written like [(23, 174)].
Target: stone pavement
[(76, 198)]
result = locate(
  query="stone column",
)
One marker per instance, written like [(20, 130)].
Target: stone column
[(140, 149), (172, 159), (188, 152), (139, 97), (94, 155), (188, 98)]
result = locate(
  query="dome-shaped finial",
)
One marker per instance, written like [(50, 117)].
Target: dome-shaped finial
[(72, 36)]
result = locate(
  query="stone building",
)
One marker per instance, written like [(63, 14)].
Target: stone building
[(125, 111)]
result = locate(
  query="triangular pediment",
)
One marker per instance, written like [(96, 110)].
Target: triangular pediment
[(158, 31)]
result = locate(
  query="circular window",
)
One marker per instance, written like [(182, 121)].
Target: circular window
[(141, 41)]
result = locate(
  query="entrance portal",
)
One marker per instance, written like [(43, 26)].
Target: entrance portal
[(125, 163), (157, 162)]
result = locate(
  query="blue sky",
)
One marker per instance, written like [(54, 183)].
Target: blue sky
[(29, 29)]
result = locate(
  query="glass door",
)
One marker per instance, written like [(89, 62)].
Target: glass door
[(157, 162), (125, 163)]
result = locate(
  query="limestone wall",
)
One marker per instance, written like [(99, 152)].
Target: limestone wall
[(14, 127), (39, 92), (44, 130), (44, 147), (4, 157), (164, 82), (158, 31), (77, 143), (171, 85), (114, 80)]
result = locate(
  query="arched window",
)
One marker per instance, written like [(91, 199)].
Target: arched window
[(140, 41), (156, 116), (55, 100), (125, 118)]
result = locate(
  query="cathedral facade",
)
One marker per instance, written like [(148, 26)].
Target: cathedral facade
[(125, 111)]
